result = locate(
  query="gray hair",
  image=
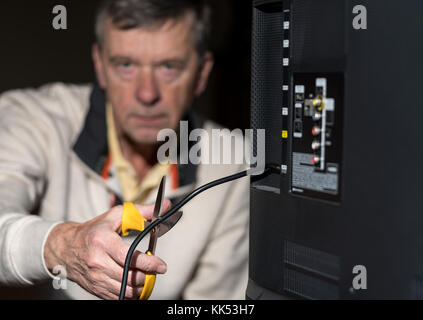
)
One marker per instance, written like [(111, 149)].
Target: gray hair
[(130, 14)]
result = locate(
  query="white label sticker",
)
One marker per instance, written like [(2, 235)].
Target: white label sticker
[(330, 104), (284, 111), (299, 89)]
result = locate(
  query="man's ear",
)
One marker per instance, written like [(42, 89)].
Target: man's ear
[(98, 65), (206, 68)]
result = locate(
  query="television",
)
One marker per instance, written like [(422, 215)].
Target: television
[(337, 85)]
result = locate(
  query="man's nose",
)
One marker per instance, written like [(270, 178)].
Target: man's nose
[(147, 91)]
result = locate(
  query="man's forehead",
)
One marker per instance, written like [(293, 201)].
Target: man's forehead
[(170, 38)]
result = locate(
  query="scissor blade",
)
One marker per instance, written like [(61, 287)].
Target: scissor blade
[(169, 223), (159, 200), (165, 226), (156, 214)]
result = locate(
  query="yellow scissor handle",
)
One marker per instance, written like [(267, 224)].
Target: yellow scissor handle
[(133, 220), (150, 281)]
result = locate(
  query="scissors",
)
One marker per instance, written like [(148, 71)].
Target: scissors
[(133, 220)]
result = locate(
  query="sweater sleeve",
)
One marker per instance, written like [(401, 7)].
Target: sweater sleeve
[(22, 182)]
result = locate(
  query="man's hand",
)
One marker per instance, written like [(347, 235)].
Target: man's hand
[(93, 254)]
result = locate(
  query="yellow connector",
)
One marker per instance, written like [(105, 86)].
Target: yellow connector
[(319, 103)]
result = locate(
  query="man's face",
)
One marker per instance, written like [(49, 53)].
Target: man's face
[(151, 76)]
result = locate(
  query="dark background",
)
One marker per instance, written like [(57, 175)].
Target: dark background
[(33, 53)]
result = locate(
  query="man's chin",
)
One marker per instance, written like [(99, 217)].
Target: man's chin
[(145, 136)]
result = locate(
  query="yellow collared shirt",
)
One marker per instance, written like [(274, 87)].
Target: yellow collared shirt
[(133, 190)]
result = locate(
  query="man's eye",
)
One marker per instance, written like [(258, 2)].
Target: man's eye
[(126, 65), (126, 70), (168, 67)]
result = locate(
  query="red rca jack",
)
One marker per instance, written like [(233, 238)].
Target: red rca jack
[(315, 160), (316, 131)]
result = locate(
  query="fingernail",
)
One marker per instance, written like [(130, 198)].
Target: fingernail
[(162, 268)]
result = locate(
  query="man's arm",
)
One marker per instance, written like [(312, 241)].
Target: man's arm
[(22, 181)]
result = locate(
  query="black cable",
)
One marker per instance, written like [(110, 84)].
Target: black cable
[(269, 168)]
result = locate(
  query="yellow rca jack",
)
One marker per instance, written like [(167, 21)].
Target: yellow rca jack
[(319, 102)]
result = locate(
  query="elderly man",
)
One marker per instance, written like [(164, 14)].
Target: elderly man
[(70, 155)]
